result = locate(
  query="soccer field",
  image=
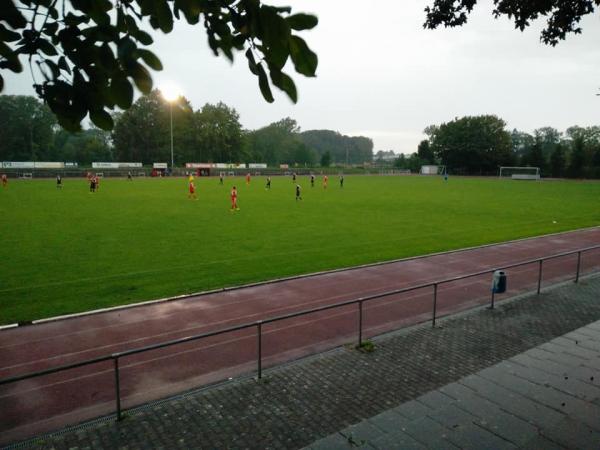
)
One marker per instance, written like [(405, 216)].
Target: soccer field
[(68, 250)]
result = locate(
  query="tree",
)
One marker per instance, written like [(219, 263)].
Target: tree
[(558, 161), (217, 134), (521, 145), (425, 153), (473, 144), (278, 143), (26, 129), (564, 16), (577, 158), (84, 147), (90, 53), (535, 157), (325, 159), (354, 150), (142, 133)]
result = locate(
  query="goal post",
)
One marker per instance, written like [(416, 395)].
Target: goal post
[(519, 173), (433, 169)]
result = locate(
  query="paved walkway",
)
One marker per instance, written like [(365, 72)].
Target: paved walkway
[(545, 398), (298, 404)]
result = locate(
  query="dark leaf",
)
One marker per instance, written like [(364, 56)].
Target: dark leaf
[(121, 92), (164, 16), (150, 59), (305, 60), (102, 119), (276, 34), (1, 83), (46, 47), (11, 15), (62, 64), (251, 62), (141, 77), (263, 83), (50, 28), (143, 37), (285, 83), (7, 35), (302, 21)]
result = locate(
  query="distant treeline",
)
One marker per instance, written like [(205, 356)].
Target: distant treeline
[(213, 133), (478, 145)]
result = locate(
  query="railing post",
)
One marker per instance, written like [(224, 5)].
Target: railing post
[(117, 388), (493, 294), (540, 277), (578, 267), (434, 304), (360, 320), (259, 335)]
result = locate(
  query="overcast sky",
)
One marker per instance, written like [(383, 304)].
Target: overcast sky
[(383, 76)]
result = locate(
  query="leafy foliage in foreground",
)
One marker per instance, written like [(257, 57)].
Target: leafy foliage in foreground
[(91, 53)]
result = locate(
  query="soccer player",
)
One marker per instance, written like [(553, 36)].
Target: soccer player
[(248, 179), (4, 180), (268, 186), (294, 177), (221, 178), (192, 189), (191, 178), (58, 181), (298, 194), (312, 180), (234, 205), (97, 183), (92, 184), (342, 180), (129, 176), (325, 180)]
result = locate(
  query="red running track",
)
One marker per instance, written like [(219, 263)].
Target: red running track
[(46, 403)]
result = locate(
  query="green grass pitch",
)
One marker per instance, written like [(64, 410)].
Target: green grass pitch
[(65, 251)]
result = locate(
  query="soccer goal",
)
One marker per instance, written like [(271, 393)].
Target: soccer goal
[(100, 174), (141, 174), (520, 173), (433, 169), (26, 176)]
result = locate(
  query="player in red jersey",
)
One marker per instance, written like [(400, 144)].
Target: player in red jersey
[(248, 179), (4, 180), (192, 189), (234, 205), (325, 179)]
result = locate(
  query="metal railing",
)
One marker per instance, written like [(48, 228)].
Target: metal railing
[(259, 323)]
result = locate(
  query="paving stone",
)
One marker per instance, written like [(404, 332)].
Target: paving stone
[(362, 431), (435, 399), (573, 434), (472, 436), (397, 441), (540, 442), (412, 410), (514, 403), (428, 432), (565, 383), (389, 421), (491, 417)]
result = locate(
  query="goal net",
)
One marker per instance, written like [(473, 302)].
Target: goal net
[(26, 176), (100, 174), (520, 173), (433, 169)]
